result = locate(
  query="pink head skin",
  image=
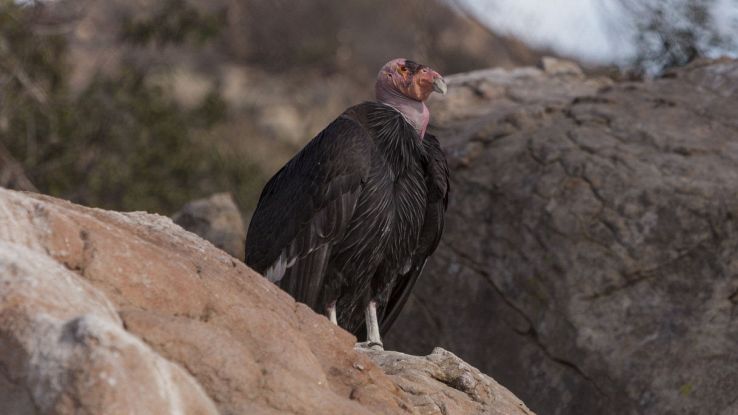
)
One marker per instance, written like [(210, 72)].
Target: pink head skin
[(405, 85)]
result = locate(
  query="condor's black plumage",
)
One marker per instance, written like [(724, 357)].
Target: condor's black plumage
[(353, 217)]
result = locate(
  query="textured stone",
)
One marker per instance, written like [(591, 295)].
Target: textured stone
[(441, 383), (554, 66), (216, 219), (589, 259), (63, 349)]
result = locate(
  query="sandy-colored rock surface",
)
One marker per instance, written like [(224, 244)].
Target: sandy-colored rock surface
[(589, 258), (64, 350), (107, 312)]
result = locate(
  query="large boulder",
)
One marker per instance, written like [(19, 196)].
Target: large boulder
[(590, 259), (64, 349), (107, 312), (215, 219)]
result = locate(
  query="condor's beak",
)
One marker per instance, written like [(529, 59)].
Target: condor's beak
[(439, 85)]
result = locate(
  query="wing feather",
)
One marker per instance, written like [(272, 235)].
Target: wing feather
[(306, 208), (438, 188)]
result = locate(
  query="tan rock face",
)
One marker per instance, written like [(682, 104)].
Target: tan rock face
[(106, 312), (63, 349)]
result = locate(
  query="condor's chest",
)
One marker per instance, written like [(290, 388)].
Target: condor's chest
[(395, 195)]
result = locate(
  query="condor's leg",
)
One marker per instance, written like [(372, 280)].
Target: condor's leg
[(373, 339), (375, 297), (379, 291), (330, 310), (330, 292)]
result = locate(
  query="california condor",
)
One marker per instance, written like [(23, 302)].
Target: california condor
[(347, 225)]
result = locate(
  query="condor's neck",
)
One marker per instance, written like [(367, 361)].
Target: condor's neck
[(415, 112)]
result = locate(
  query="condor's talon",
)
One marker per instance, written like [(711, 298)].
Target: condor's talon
[(373, 337), (376, 346), (367, 345), (331, 311)]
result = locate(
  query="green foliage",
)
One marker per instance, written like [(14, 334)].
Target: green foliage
[(122, 143), (136, 147), (174, 22), (33, 102)]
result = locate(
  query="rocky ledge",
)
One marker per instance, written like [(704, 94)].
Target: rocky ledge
[(441, 383), (106, 312)]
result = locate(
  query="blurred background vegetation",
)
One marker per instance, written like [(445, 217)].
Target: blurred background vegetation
[(145, 105)]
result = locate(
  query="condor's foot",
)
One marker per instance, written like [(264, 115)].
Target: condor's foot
[(373, 339), (331, 312), (370, 345)]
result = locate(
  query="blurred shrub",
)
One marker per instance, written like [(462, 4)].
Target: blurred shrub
[(356, 37), (119, 139), (174, 21), (121, 143), (672, 33)]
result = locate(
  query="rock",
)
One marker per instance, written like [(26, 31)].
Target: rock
[(107, 312), (555, 66), (216, 219), (12, 175), (65, 351), (589, 259), (443, 383)]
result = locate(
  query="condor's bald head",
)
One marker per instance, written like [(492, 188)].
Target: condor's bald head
[(409, 79)]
